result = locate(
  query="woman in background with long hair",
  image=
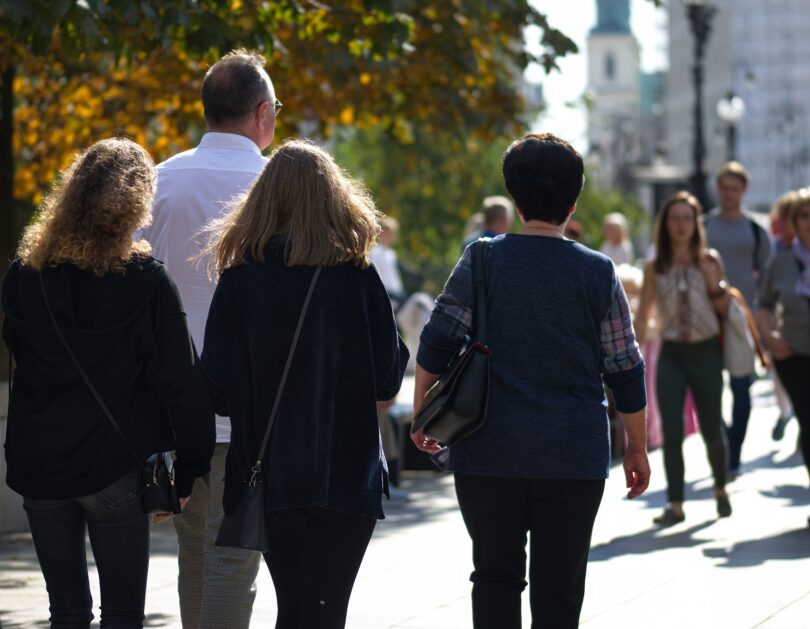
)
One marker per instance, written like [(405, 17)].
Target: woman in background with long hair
[(685, 282)]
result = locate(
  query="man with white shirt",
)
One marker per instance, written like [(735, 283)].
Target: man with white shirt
[(216, 585)]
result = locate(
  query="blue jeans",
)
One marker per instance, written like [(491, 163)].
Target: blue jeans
[(740, 412), (119, 536)]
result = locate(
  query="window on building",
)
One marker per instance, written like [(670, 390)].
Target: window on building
[(610, 66)]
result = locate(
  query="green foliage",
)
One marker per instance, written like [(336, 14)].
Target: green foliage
[(432, 185), (594, 204)]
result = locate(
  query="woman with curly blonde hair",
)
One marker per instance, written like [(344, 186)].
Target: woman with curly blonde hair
[(83, 285), (304, 230)]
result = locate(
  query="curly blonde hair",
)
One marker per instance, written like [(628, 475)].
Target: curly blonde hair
[(89, 217), (326, 217)]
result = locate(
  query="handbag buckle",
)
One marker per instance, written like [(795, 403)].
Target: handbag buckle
[(255, 477)]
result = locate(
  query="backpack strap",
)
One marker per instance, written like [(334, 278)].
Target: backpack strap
[(756, 229)]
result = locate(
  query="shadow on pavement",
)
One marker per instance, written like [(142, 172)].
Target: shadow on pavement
[(16, 625), (430, 496), (648, 541), (790, 545), (659, 498), (769, 461), (798, 495)]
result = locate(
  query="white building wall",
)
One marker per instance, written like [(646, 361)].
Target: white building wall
[(614, 115), (758, 49)]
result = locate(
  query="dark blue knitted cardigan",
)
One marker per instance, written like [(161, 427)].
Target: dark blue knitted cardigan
[(325, 447)]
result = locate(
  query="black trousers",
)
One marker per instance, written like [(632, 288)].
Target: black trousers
[(314, 557), (559, 515), (119, 536), (794, 373)]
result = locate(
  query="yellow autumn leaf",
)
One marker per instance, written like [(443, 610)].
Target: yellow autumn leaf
[(347, 116)]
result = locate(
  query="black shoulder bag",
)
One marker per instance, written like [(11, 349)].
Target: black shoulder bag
[(456, 406), (159, 491), (245, 527)]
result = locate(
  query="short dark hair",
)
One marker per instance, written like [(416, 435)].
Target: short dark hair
[(234, 86), (544, 175)]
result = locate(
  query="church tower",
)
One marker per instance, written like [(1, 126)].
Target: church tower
[(614, 93)]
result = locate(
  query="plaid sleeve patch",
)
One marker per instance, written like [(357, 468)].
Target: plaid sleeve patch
[(620, 351)]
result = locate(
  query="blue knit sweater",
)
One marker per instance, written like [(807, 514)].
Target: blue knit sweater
[(558, 324), (325, 446)]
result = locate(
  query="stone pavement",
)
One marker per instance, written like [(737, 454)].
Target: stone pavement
[(749, 570)]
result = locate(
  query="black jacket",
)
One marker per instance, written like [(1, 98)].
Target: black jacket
[(129, 333), (325, 447)]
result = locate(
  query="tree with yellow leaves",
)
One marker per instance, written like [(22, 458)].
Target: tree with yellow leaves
[(74, 71)]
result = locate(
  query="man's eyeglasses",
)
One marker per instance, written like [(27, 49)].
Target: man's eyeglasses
[(277, 105)]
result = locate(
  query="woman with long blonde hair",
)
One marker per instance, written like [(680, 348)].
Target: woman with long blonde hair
[(85, 296), (305, 228), (685, 282)]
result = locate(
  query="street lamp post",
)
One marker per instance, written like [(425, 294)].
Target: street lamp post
[(700, 14), (730, 110)]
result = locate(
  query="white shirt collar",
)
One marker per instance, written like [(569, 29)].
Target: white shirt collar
[(218, 140)]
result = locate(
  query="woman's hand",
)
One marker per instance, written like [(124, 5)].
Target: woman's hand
[(636, 471), (424, 443), (157, 518), (778, 347), (711, 267)]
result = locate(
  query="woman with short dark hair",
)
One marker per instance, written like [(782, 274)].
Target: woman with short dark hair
[(558, 324), (120, 314), (305, 220)]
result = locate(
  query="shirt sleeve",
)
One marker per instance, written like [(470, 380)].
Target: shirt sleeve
[(179, 379), (217, 328), (451, 320), (390, 354), (622, 364)]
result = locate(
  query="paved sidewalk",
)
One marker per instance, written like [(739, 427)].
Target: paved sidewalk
[(749, 570)]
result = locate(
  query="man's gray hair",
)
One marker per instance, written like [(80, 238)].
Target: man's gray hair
[(234, 86), (496, 208)]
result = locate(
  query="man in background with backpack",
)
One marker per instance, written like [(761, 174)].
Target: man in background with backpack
[(744, 247)]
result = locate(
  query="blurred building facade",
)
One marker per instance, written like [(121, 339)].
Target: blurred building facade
[(757, 50), (614, 94)]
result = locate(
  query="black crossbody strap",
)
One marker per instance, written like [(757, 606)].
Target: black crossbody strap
[(83, 374), (285, 373), (479, 255)]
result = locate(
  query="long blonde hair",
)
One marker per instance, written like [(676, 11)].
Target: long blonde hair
[(90, 215), (326, 217)]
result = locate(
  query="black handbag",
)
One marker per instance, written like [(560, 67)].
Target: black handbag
[(456, 405), (159, 490), (245, 527)]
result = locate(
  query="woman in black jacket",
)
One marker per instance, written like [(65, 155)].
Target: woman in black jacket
[(324, 470), (121, 315)]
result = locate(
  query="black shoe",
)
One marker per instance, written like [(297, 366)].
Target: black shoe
[(669, 517), (723, 506)]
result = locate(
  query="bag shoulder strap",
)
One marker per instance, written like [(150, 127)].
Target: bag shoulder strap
[(82, 372), (735, 294), (257, 466), (479, 258), (757, 239)]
